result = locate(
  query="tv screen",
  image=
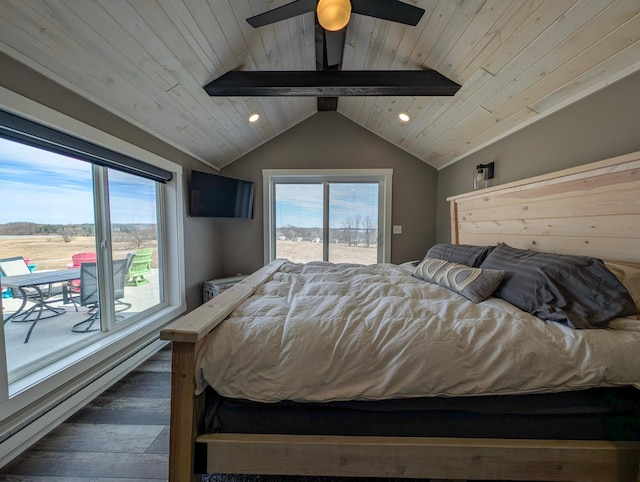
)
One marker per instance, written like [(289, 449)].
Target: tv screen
[(217, 196)]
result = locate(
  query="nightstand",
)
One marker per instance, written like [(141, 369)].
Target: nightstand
[(214, 287)]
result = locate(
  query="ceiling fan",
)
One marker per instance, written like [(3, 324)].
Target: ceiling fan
[(328, 82), (334, 15)]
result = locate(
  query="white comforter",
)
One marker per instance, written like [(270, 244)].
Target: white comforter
[(323, 332)]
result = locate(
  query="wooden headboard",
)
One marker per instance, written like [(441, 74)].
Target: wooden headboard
[(591, 210)]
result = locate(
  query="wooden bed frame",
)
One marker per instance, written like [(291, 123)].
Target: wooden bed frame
[(591, 210)]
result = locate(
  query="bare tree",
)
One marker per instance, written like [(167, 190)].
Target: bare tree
[(137, 235), (370, 230), (68, 233), (357, 222), (347, 230)]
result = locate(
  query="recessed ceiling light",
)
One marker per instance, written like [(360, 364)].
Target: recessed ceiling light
[(253, 117), (404, 117)]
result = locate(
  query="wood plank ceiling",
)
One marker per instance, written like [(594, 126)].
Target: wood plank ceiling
[(147, 61)]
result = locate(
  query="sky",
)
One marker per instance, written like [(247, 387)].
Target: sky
[(42, 187), (301, 204)]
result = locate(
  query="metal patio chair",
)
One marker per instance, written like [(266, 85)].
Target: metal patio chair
[(89, 293)]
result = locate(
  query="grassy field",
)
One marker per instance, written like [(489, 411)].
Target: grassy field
[(51, 252), (304, 251)]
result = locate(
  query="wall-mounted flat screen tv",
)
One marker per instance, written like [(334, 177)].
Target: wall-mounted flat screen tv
[(217, 196)]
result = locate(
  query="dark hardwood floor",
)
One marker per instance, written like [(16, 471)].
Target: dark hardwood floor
[(122, 436)]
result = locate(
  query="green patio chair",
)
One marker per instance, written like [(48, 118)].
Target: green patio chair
[(140, 266)]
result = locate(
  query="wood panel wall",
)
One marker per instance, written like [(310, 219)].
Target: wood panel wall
[(591, 210)]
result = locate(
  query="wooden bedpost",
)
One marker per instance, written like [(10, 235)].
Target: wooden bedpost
[(187, 335), (183, 422)]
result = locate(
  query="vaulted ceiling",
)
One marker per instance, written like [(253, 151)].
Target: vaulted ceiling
[(148, 61)]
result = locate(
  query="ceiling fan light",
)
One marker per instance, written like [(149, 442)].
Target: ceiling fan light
[(334, 14)]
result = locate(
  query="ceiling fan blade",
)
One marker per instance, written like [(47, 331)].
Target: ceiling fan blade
[(284, 12), (335, 45), (392, 10)]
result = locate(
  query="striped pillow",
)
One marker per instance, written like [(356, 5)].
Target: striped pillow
[(577, 291), (467, 254)]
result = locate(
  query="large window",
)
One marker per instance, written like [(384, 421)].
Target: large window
[(52, 219), (82, 244), (55, 218), (77, 207), (341, 216)]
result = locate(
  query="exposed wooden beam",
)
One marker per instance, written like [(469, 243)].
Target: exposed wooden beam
[(321, 60), (332, 83), (325, 103)]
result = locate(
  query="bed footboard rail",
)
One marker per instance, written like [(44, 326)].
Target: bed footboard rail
[(416, 457), (188, 334)]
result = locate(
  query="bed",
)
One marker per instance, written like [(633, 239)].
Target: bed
[(590, 211)]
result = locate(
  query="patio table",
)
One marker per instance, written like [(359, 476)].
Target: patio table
[(34, 281)]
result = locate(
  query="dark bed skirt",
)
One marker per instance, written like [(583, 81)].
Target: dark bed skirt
[(595, 414)]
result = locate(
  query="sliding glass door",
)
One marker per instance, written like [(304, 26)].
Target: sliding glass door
[(353, 222), (133, 214), (88, 238), (47, 219), (337, 216), (80, 303), (299, 224)]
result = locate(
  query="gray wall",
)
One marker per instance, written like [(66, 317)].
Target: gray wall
[(202, 236), (605, 124), (328, 140)]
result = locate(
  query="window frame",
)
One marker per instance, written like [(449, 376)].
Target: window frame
[(43, 139), (93, 367), (384, 178)]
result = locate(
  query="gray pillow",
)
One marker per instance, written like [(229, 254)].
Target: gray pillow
[(474, 284), (577, 291), (466, 254)]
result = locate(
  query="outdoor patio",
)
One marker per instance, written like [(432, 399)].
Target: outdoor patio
[(54, 335)]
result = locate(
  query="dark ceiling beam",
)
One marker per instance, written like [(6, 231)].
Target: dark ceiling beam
[(332, 83), (321, 58), (324, 104)]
